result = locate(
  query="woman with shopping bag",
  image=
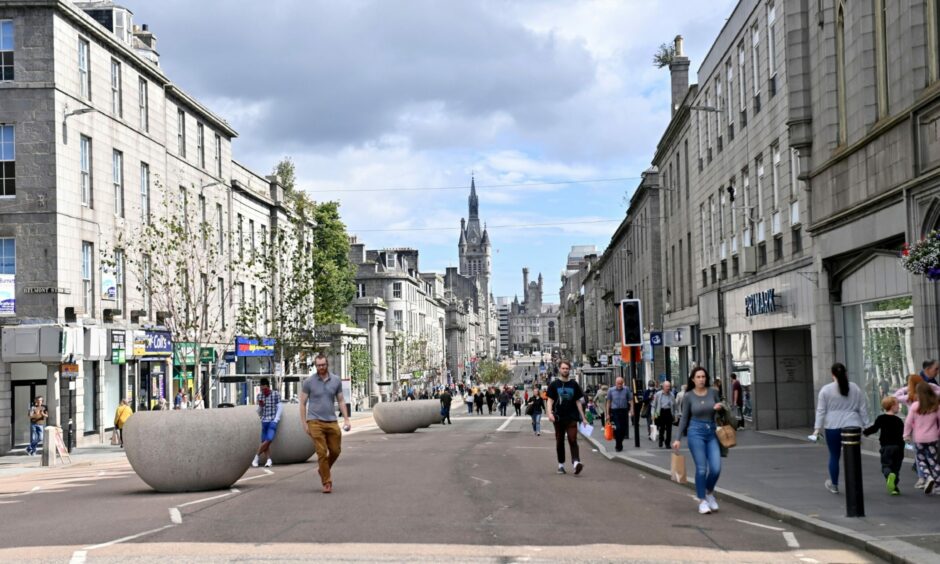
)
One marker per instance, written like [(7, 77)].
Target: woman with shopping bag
[(699, 407), (121, 415)]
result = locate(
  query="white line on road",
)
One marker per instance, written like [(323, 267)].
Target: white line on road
[(128, 538), (256, 477), (778, 529), (175, 516), (78, 557), (220, 496), (791, 539), (268, 472), (809, 560), (506, 424), (234, 490), (485, 482)]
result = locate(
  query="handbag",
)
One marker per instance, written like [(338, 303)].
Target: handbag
[(677, 473), (654, 433), (727, 436), (115, 439), (528, 408), (608, 432)]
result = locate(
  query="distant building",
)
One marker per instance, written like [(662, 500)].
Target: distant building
[(533, 326), (503, 308)]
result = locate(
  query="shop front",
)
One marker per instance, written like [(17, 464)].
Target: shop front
[(769, 334), (116, 384), (154, 351), (254, 358), (191, 374)]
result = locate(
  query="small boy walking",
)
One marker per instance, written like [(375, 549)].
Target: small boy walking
[(892, 442)]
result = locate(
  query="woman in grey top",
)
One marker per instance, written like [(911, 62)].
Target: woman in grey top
[(840, 404), (698, 418)]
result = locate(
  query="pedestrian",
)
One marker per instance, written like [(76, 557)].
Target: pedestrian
[(737, 400), (698, 419), (198, 403), (269, 409), (478, 400), (891, 438), (662, 407), (840, 404), (646, 411), (601, 400), (504, 399), (517, 402), (468, 399), (922, 427), (619, 410), (490, 400), (185, 403), (121, 414), (565, 411), (178, 401), (535, 406), (446, 400), (930, 370), (317, 396), (720, 387), (38, 414)]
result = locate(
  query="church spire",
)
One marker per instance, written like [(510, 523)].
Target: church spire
[(474, 203)]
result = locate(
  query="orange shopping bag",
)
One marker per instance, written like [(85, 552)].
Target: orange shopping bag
[(608, 432)]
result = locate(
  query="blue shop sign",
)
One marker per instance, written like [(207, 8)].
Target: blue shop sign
[(159, 343), (254, 347)]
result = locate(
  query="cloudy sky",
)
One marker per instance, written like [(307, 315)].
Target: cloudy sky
[(389, 105)]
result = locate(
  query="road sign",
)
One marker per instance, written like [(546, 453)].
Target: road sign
[(604, 360), (656, 338), (69, 370)]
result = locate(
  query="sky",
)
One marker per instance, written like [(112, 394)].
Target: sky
[(389, 107)]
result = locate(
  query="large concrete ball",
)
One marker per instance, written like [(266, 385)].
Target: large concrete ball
[(192, 450), (429, 410), (291, 444), (395, 417)]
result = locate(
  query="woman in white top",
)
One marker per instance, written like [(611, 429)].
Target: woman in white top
[(840, 404)]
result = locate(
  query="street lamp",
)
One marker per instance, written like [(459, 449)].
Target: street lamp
[(66, 114)]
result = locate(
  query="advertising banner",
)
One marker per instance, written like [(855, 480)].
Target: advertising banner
[(108, 284), (245, 346), (7, 294)]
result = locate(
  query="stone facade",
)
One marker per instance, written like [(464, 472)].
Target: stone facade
[(533, 325)]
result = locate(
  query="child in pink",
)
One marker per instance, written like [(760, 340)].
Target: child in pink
[(924, 430)]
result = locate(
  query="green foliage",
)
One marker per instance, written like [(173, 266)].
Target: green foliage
[(492, 373), (334, 275), (664, 55), (904, 302), (286, 174), (360, 364)]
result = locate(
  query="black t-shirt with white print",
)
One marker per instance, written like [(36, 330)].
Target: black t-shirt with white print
[(565, 395)]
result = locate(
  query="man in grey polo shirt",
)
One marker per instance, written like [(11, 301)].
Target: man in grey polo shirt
[(319, 418), (619, 409)]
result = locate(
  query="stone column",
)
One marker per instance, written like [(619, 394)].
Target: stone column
[(6, 407), (383, 366), (374, 356)]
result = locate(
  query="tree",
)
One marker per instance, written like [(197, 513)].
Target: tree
[(491, 373), (664, 55), (334, 274), (286, 175)]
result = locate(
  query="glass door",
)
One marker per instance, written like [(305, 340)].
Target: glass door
[(24, 393)]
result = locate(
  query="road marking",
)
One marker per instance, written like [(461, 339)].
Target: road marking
[(128, 538), (809, 560), (220, 496), (235, 490), (78, 557), (536, 448), (175, 517), (485, 482), (506, 424), (778, 529), (268, 472), (791, 539)]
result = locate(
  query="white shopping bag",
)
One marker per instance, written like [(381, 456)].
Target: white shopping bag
[(654, 433), (585, 429)]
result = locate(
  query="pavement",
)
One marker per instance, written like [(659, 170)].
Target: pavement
[(783, 476), (481, 490)]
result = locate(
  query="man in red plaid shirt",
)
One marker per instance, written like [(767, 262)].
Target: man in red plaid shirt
[(269, 408)]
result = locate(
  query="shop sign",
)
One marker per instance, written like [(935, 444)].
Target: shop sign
[(43, 289), (656, 338), (184, 354), (229, 356), (153, 344), (7, 294), (760, 303), (108, 284), (118, 342), (207, 355), (68, 370), (254, 347)]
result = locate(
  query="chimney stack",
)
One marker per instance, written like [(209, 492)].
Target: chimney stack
[(679, 72)]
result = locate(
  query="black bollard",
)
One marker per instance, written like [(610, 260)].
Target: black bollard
[(852, 461)]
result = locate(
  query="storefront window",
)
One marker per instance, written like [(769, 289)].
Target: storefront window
[(89, 390), (878, 338), (112, 391)]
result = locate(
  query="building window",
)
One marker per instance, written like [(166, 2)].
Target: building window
[(143, 103), (360, 290), (396, 289), (254, 301), (85, 166), (7, 266), (797, 244), (778, 248), (399, 321), (221, 288), (742, 83), (735, 266), (88, 269), (117, 104), (252, 242), (219, 229), (7, 161), (240, 233), (201, 144), (119, 278), (729, 105), (719, 101), (6, 50), (755, 59), (933, 38), (204, 298), (145, 193), (264, 241), (840, 73), (775, 175), (241, 295), (181, 133), (218, 156), (203, 221), (762, 254), (183, 208), (84, 71), (881, 56), (147, 287), (771, 48), (759, 162), (117, 172), (724, 270), (389, 260)]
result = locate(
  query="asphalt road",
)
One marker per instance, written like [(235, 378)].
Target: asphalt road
[(483, 489)]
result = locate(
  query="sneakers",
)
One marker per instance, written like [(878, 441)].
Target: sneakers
[(561, 470), (928, 487), (920, 483), (832, 487), (254, 463), (892, 483), (578, 467), (703, 508), (269, 463), (711, 501)]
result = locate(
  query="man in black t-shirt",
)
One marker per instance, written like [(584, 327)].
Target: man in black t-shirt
[(565, 411)]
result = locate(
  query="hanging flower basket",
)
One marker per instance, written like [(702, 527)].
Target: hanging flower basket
[(923, 257)]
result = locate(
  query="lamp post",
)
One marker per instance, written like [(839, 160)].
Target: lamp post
[(66, 114)]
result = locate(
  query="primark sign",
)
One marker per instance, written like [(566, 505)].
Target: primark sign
[(761, 303)]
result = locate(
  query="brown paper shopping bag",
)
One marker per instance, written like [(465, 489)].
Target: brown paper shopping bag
[(678, 468)]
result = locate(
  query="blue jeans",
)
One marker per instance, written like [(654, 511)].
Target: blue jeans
[(703, 444), (35, 437), (537, 422), (470, 408), (834, 442)]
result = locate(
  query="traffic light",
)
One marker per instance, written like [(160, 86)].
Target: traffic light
[(631, 323)]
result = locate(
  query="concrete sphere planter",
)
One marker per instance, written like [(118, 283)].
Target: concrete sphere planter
[(406, 416), (192, 450), (291, 444)]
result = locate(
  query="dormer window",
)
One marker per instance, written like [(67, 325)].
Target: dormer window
[(123, 24), (389, 260)]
